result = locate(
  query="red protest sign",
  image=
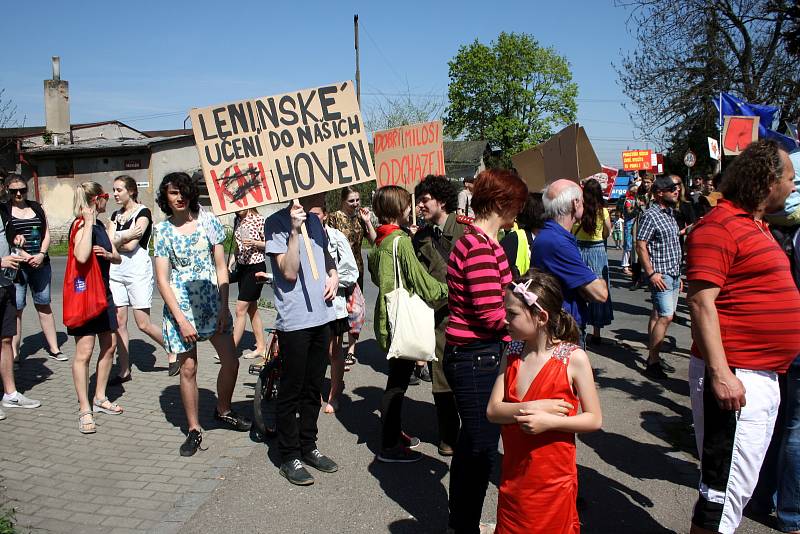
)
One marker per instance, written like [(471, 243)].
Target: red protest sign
[(636, 160), (737, 133), (404, 156)]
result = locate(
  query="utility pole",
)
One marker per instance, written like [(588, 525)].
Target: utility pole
[(358, 70)]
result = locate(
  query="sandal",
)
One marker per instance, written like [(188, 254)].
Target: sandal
[(106, 406), (86, 426)]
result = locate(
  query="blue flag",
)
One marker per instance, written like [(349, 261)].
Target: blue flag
[(728, 104)]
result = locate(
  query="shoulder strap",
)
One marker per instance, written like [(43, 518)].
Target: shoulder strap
[(398, 277)]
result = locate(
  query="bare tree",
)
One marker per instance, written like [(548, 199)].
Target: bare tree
[(393, 111), (690, 51), (8, 111)]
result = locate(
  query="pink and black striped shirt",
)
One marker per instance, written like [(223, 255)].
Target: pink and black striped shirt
[(477, 275)]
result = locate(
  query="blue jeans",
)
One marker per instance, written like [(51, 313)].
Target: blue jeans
[(665, 302), (39, 282), (780, 472), (471, 371)]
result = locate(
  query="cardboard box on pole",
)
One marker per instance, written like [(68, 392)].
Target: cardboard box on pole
[(277, 148), (568, 154), (405, 155)]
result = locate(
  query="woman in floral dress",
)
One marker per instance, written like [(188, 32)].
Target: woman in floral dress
[(195, 295), (355, 223)]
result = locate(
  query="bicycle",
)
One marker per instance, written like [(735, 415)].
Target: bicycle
[(266, 391)]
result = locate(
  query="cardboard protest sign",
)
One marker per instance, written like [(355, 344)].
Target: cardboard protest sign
[(276, 148), (713, 148), (637, 160), (404, 156), (737, 133), (568, 154)]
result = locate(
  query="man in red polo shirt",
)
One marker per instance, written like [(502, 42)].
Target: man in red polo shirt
[(745, 309)]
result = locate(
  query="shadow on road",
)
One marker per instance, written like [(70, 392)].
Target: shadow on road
[(640, 460), (608, 506), (419, 490), (143, 356), (643, 389), (32, 372)]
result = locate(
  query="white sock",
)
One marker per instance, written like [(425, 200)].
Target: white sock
[(11, 397)]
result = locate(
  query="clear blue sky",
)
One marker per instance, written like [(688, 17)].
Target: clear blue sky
[(147, 63)]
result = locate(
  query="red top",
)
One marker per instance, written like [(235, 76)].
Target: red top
[(539, 479), (477, 275), (758, 302)]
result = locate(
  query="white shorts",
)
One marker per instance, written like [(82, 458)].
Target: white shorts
[(731, 445), (132, 281)]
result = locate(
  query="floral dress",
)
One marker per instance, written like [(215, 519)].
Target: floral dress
[(354, 229), (193, 279)]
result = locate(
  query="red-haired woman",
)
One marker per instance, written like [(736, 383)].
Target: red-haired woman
[(477, 275)]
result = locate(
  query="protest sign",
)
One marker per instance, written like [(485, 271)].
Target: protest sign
[(277, 148), (713, 148), (404, 156), (637, 160), (606, 178), (738, 132), (568, 154)]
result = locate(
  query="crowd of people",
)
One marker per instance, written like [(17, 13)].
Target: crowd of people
[(515, 280)]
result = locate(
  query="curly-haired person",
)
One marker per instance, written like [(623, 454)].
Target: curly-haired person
[(745, 309)]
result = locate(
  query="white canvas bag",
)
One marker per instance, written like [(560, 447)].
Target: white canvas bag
[(410, 321)]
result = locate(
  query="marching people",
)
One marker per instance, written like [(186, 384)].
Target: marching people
[(659, 248), (555, 251), (392, 205), (27, 218), (745, 308), (518, 244), (347, 269), (193, 281), (436, 204), (630, 211), (477, 274), (543, 378), (247, 260), (304, 303), (591, 232), (89, 237), (9, 263), (355, 223), (132, 279)]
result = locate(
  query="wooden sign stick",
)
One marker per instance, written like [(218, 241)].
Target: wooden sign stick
[(309, 251)]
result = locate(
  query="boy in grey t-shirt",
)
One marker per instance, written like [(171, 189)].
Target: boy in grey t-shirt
[(305, 309)]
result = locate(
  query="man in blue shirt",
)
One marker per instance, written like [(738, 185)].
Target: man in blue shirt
[(555, 250), (305, 309)]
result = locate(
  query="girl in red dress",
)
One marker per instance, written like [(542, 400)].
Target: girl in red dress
[(543, 378)]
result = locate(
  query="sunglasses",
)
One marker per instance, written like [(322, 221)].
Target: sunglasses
[(18, 191), (101, 195), (672, 189)]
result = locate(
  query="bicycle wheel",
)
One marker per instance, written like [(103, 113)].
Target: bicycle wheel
[(266, 393)]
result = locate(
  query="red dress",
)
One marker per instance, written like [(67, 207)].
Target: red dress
[(539, 481)]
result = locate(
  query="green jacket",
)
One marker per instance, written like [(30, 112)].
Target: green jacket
[(415, 279), (433, 252)]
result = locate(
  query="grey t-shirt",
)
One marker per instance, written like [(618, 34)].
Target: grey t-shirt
[(299, 304)]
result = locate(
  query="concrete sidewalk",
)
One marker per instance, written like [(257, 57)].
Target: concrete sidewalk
[(638, 474)]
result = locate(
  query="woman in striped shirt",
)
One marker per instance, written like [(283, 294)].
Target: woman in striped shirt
[(477, 275)]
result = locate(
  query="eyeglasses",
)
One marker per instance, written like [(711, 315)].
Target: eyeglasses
[(101, 195), (18, 191), (672, 189)]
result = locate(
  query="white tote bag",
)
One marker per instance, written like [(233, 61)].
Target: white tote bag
[(410, 321)]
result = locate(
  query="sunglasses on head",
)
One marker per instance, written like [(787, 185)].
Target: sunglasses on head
[(18, 191), (101, 195)]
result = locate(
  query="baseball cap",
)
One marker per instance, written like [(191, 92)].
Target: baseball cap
[(662, 183)]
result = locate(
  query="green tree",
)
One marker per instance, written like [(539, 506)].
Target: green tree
[(512, 93)]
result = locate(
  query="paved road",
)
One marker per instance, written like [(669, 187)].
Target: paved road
[(637, 474)]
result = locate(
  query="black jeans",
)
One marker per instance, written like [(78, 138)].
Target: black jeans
[(471, 371), (304, 357), (392, 401)]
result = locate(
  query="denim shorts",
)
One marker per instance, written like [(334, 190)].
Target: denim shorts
[(39, 282), (665, 302)]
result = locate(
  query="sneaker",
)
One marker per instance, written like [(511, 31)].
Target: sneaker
[(445, 449), (58, 356), (350, 359), (409, 441), (422, 372), (294, 472), (667, 368), (399, 455), (192, 443), (655, 371), (20, 402), (414, 380), (319, 461), (2, 415), (234, 420)]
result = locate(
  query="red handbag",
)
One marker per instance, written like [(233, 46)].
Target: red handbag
[(84, 288)]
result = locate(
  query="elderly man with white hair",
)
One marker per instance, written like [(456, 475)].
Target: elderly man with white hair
[(555, 250)]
